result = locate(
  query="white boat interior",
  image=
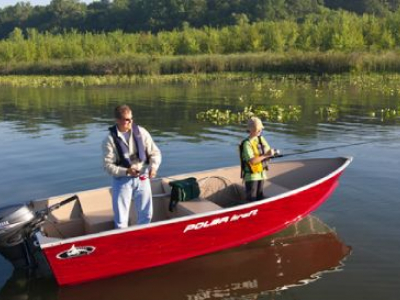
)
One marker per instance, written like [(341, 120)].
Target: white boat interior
[(219, 189)]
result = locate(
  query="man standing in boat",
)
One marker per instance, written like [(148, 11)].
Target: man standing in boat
[(131, 157), (254, 154)]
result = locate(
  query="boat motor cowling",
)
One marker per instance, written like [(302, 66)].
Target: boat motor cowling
[(14, 224), (15, 232), (18, 223)]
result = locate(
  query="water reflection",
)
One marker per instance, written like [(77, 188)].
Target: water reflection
[(173, 107), (51, 145), (296, 256)]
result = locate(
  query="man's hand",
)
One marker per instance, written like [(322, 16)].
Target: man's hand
[(132, 172), (152, 173)]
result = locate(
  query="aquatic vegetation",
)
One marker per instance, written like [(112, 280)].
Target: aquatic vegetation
[(61, 81), (215, 116), (275, 93), (274, 113), (280, 113), (329, 113), (385, 114), (271, 86), (222, 117)]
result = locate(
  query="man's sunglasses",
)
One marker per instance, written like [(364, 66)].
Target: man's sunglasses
[(127, 120)]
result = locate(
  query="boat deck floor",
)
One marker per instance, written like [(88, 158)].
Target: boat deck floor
[(93, 212)]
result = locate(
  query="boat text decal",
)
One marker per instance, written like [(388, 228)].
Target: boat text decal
[(218, 221), (76, 252)]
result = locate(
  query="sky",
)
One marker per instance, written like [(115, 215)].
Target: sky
[(4, 3)]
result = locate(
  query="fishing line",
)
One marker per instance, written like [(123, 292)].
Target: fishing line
[(325, 148)]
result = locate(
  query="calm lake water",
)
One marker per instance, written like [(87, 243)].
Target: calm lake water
[(50, 145)]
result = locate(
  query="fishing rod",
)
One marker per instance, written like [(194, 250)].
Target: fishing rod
[(321, 149)]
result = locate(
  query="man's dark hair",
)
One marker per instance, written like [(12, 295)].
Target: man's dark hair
[(120, 110)]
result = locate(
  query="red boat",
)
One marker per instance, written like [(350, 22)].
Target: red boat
[(80, 245), (273, 263), (263, 267)]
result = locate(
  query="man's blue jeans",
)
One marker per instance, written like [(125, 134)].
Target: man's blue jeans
[(124, 190)]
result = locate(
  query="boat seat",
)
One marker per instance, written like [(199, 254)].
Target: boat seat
[(273, 189), (68, 212), (98, 221), (97, 210), (195, 206), (98, 213), (63, 229)]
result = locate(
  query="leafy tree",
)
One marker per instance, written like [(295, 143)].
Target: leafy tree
[(66, 14)]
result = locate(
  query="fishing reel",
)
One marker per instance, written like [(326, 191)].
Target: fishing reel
[(277, 153)]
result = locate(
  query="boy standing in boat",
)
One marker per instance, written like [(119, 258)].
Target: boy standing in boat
[(254, 153), (131, 157)]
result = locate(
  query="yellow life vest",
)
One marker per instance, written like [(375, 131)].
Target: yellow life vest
[(256, 146)]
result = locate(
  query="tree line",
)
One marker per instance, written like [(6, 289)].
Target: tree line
[(340, 31), (132, 16)]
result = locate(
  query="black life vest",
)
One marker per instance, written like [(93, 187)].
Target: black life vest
[(124, 159)]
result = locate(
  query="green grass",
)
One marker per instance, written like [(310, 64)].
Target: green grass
[(274, 83), (129, 66)]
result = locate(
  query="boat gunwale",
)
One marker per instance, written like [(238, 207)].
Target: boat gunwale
[(41, 238)]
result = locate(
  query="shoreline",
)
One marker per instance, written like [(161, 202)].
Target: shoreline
[(376, 80), (128, 68)]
